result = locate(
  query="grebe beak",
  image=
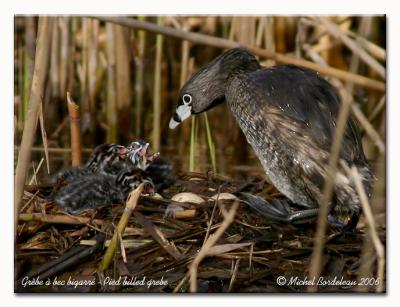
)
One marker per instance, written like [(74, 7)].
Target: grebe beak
[(182, 112)]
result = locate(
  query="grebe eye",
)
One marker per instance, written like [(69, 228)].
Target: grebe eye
[(187, 99)]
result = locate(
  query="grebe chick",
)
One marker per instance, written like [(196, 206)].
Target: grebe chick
[(102, 156), (159, 170), (99, 190)]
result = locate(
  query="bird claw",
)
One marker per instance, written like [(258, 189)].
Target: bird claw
[(279, 211), (273, 210)]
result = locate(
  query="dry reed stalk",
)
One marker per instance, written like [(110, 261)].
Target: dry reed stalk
[(335, 31), (126, 243), (35, 171), (380, 251), (382, 125), (54, 149), (324, 42), (92, 65), (211, 241), (251, 255), (362, 42), (314, 55), (367, 258), (335, 58), (32, 197), (372, 48), (19, 100), (363, 29), (246, 30), (112, 109), (260, 30), (42, 57), (378, 108), (123, 78), (129, 231), (129, 207), (28, 58), (270, 37), (280, 34), (225, 43), (72, 68), (184, 59), (75, 126), (209, 23), (364, 122), (44, 138), (64, 52), (54, 72), (26, 76), (234, 274), (232, 29), (301, 36), (58, 219), (139, 78), (319, 238), (320, 48), (369, 129), (157, 90), (320, 29), (34, 179), (185, 214), (122, 61), (83, 67), (181, 283), (375, 50), (158, 236)]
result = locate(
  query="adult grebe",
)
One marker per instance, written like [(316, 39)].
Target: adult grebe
[(288, 115)]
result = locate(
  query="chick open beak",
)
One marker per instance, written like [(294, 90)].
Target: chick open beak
[(122, 152), (182, 112), (147, 155), (143, 151)]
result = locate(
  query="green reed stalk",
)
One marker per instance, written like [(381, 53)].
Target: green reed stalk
[(211, 145), (192, 143)]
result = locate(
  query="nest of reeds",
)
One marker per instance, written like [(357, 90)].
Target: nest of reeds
[(213, 243)]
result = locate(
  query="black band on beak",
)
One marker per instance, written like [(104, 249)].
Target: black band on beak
[(177, 118)]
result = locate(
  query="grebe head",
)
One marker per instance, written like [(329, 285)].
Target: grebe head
[(206, 88), (140, 155)]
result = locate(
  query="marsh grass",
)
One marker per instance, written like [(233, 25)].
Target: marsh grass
[(125, 75)]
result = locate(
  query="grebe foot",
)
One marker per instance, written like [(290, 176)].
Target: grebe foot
[(279, 211), (274, 209)]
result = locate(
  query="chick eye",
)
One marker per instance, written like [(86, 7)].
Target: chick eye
[(187, 99)]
